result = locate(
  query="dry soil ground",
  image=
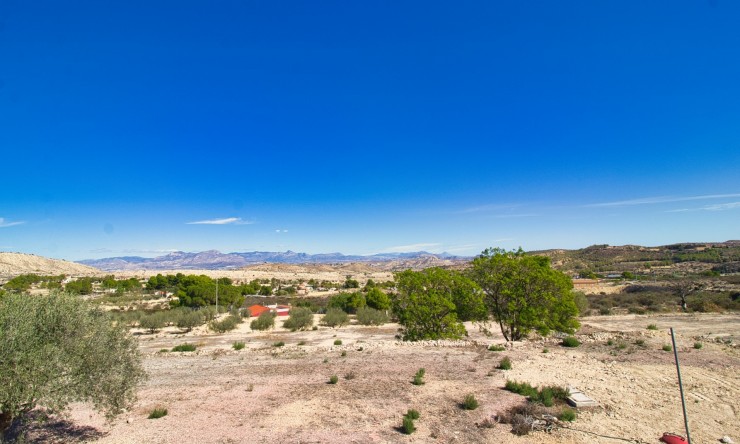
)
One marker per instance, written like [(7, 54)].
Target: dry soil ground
[(267, 394)]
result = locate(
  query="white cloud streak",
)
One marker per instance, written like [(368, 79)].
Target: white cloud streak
[(661, 199), (225, 221), (714, 207), (4, 223)]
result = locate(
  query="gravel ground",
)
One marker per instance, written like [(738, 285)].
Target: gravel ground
[(267, 394)]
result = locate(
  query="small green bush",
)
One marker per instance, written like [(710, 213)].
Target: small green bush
[(621, 345), (570, 341), (333, 379), (228, 324), (302, 343), (413, 414), (278, 344), (470, 403), (158, 413), (567, 414), (265, 321), (667, 348), (697, 345), (344, 353), (496, 348), (335, 317), (505, 364), (184, 348), (419, 377), (371, 316), (545, 350), (300, 318), (238, 345), (610, 342), (337, 342), (408, 425), (652, 327), (545, 395)]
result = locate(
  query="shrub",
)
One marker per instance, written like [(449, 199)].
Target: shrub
[(371, 316), (333, 379), (278, 344), (350, 375), (335, 317), (265, 321), (189, 319), (667, 348), (505, 364), (621, 345), (228, 324), (640, 342), (152, 322), (496, 348), (46, 336), (570, 341), (413, 414), (419, 377), (344, 353), (337, 342), (238, 345), (301, 343), (184, 348), (158, 413), (567, 414), (697, 345), (652, 327), (604, 311), (470, 403), (545, 395), (610, 342), (408, 425), (300, 319), (545, 350)]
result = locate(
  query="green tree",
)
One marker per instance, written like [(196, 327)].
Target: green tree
[(426, 303), (56, 349), (523, 293), (335, 317), (377, 299), (300, 319), (80, 286), (349, 302)]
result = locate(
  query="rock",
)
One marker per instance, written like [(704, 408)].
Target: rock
[(727, 440)]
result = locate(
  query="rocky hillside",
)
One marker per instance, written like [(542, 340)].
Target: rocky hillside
[(13, 264)]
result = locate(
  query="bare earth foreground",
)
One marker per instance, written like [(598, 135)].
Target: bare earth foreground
[(267, 394)]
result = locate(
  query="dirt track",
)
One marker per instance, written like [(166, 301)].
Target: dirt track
[(267, 394)]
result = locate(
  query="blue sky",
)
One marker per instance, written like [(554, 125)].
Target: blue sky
[(138, 128)]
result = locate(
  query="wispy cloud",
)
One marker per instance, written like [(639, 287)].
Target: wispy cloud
[(6, 223), (662, 199), (410, 248), (226, 221), (714, 207), (281, 231)]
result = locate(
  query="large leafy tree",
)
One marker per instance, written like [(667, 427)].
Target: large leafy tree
[(523, 293), (57, 349), (432, 303)]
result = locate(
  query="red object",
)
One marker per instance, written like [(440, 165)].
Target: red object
[(256, 310), (671, 438)]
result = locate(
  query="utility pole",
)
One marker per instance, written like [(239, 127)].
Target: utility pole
[(217, 297), (680, 386)]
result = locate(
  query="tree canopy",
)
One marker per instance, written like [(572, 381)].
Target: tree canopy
[(56, 349), (432, 303), (523, 293)]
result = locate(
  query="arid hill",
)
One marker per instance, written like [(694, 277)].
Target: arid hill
[(13, 264)]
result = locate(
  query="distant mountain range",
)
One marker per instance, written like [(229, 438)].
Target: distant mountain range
[(215, 260)]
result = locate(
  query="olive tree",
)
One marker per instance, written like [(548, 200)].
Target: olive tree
[(523, 293), (57, 349)]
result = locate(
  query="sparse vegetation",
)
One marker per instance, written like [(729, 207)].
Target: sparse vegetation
[(238, 345), (184, 348), (371, 316), (545, 395), (350, 375), (337, 342), (567, 414), (407, 426), (158, 413), (496, 348), (697, 345), (469, 403), (335, 317), (265, 321), (278, 344), (505, 364), (419, 377), (333, 379), (652, 327), (227, 324), (570, 341), (667, 348), (300, 318)]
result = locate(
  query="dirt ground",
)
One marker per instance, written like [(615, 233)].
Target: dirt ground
[(268, 394)]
